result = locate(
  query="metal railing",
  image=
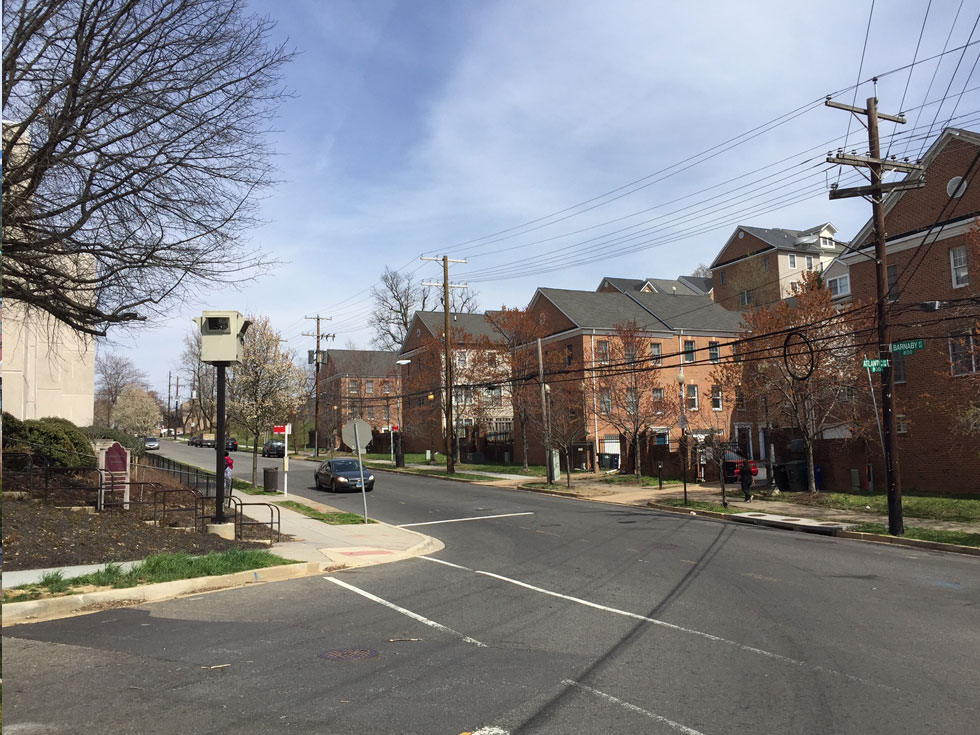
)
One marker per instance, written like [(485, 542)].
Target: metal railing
[(237, 506), (188, 475)]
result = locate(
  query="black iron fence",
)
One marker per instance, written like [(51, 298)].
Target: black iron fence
[(188, 475)]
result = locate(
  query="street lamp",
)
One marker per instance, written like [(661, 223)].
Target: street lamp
[(683, 423)]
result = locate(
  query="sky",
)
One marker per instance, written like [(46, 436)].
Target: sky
[(551, 144)]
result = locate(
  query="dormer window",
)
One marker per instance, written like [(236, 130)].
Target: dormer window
[(826, 242)]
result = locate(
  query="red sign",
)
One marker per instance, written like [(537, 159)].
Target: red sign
[(279, 429), (395, 427)]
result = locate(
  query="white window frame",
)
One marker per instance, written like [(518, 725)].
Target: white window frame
[(765, 262), (792, 261), (901, 423), (836, 282), (717, 400), (605, 401), (745, 298), (714, 351), (656, 353), (658, 394), (809, 262), (963, 266), (602, 351), (691, 394), (969, 349), (369, 387), (690, 352)]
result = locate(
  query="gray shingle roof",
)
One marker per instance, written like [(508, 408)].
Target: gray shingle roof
[(667, 285), (475, 325), (363, 362), (777, 237), (596, 310), (697, 283), (697, 313)]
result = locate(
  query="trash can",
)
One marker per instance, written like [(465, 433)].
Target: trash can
[(399, 460), (781, 476), (796, 471), (270, 478), (818, 476)]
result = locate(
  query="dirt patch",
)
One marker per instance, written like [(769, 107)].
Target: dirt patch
[(37, 536)]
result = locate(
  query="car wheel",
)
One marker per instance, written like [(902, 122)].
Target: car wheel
[(333, 485), (316, 482)]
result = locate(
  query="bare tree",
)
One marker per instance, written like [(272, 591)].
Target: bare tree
[(266, 387), (135, 154), (702, 271), (398, 296), (113, 373), (201, 378)]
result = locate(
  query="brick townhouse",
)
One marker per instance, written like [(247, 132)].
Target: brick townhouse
[(933, 257), (361, 384), (759, 266), (686, 333), (482, 419)]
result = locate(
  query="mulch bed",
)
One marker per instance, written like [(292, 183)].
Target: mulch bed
[(36, 536)]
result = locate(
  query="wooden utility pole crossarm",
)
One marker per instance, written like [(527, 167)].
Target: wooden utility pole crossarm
[(876, 165)]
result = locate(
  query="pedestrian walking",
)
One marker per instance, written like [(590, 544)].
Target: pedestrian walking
[(229, 466), (745, 472)]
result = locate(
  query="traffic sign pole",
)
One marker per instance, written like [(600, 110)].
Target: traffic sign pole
[(360, 464)]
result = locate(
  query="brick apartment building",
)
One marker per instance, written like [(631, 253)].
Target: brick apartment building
[(933, 257), (482, 419), (759, 266), (686, 333), (361, 384)]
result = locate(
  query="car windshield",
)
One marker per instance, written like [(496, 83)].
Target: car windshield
[(346, 465)]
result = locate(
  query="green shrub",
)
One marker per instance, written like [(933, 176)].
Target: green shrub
[(58, 440)]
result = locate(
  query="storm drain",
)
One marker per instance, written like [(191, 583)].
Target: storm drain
[(348, 654)]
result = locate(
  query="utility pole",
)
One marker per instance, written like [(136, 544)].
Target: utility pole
[(876, 166), (176, 406), (316, 376), (546, 419), (447, 286), (169, 404)]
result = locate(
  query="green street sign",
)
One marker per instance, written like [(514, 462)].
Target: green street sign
[(907, 347), (875, 366)]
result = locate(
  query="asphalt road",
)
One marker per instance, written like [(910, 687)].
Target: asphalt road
[(555, 616)]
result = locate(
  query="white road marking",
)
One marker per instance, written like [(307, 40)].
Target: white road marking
[(682, 629), (633, 708), (447, 563), (403, 611), (460, 520)]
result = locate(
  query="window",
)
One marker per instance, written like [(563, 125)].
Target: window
[(387, 413), (826, 242), (736, 355), (809, 262), (369, 386), (632, 401), (602, 351), (569, 355), (714, 351), (721, 275), (605, 401), (898, 366), (353, 386), (765, 262), (658, 394), (692, 398), (962, 354), (420, 401), (656, 353), (901, 423), (893, 290), (840, 286), (792, 260), (460, 359), (740, 399), (491, 359), (745, 298), (689, 350), (957, 264), (496, 396), (386, 388), (350, 412), (370, 412), (716, 398), (629, 352)]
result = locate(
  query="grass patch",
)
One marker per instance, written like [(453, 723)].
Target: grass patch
[(699, 505), (936, 507), (250, 489), (334, 519), (962, 538), (157, 568), (631, 480)]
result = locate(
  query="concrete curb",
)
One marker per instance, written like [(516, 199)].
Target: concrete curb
[(856, 535), (35, 611)]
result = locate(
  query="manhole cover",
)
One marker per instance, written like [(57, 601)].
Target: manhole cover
[(348, 654)]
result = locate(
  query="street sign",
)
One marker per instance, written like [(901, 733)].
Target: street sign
[(908, 346), (876, 366), (279, 429), (394, 427), (363, 434)]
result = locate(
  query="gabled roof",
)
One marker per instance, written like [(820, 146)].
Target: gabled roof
[(362, 362), (777, 238), (697, 313), (635, 285), (697, 284), (654, 312), (476, 325)]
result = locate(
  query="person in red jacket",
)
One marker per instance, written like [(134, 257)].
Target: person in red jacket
[(745, 472), (229, 466)]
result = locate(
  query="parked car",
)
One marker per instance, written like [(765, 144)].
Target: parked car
[(151, 442), (732, 461), (274, 448), (196, 441), (209, 440), (342, 474), (231, 444)]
